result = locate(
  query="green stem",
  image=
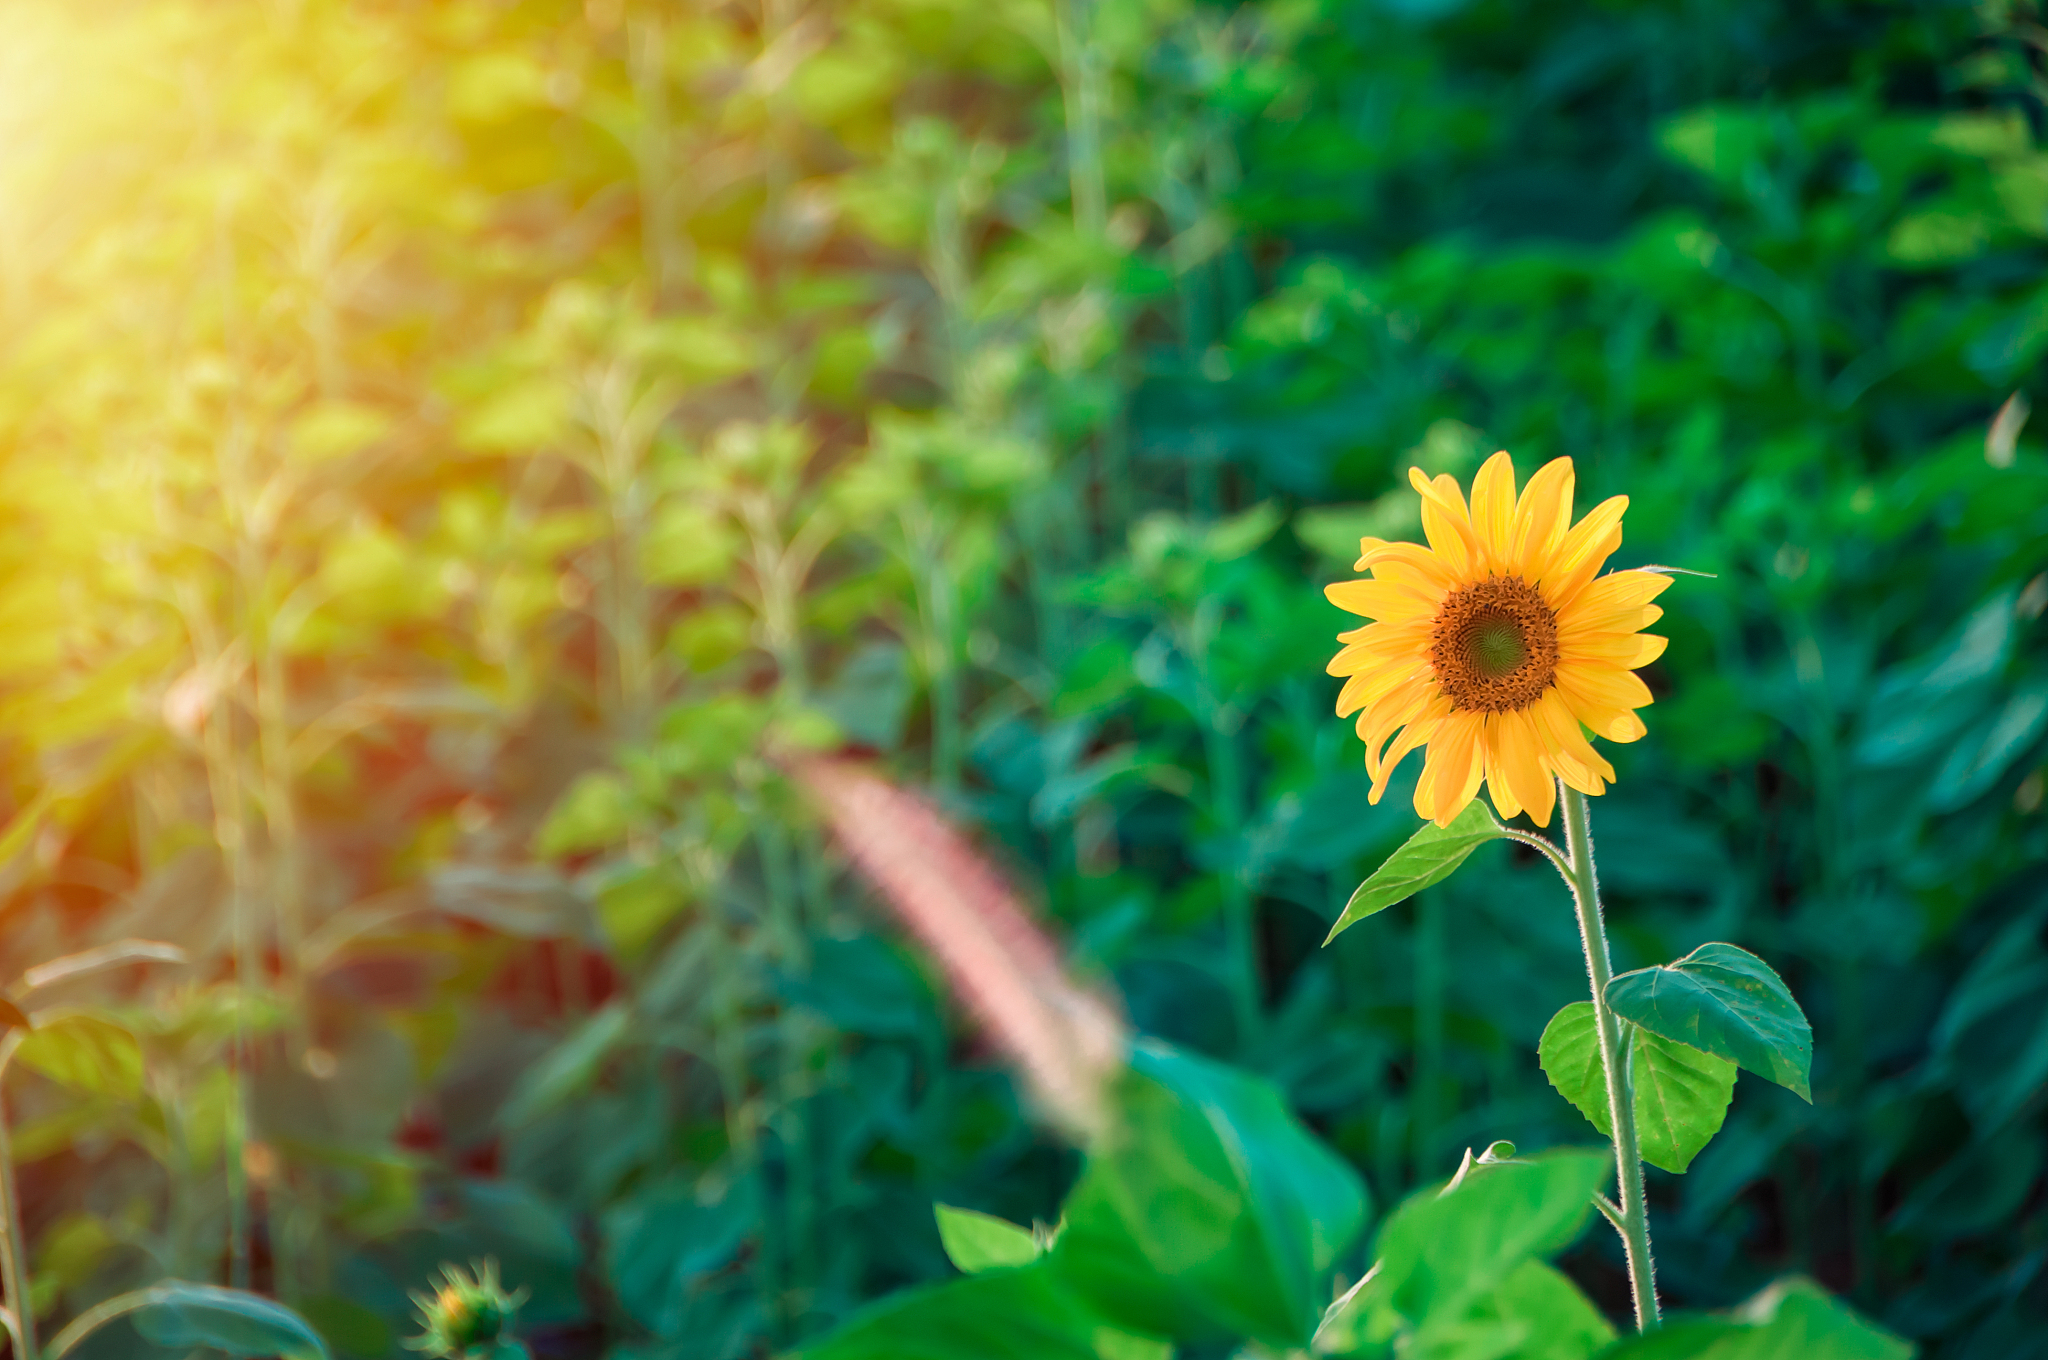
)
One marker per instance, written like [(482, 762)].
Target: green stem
[(13, 1250), (1635, 1213)]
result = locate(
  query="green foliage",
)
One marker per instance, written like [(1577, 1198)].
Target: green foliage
[(1791, 1318), (448, 450), (1443, 1253), (976, 1242), (1206, 1209), (1428, 857), (85, 1052), (1725, 1001), (177, 1315), (1023, 1313), (1681, 1093)]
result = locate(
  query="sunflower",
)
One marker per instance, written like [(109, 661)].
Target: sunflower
[(1498, 646)]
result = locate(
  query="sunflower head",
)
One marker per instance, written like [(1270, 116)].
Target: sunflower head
[(1499, 646), (468, 1315)]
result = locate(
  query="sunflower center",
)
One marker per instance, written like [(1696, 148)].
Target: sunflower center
[(1494, 645)]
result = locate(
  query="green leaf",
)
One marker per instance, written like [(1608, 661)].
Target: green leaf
[(976, 1241), (1792, 1320), (1429, 856), (665, 1237), (87, 1053), (1681, 1093), (1439, 1254), (1725, 1001), (179, 1315), (569, 1067), (1024, 1314), (1536, 1313), (1206, 1210)]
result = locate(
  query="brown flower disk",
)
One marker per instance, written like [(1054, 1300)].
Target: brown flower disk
[(1455, 647)]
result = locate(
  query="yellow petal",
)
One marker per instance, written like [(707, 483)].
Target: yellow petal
[(1521, 760), (1452, 773), (1446, 524), (1380, 640), (1387, 600), (1493, 508), (1583, 552), (1430, 587), (1621, 590), (1590, 687), (1377, 689), (1652, 647), (1542, 516), (1566, 747), (1406, 704), (1377, 553), (1497, 788), (1475, 775), (1417, 734), (1625, 727), (1620, 623), (1618, 650)]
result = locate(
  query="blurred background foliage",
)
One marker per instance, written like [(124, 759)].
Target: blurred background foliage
[(446, 451)]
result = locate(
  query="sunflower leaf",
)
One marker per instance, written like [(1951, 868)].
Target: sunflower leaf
[(1725, 1001), (1681, 1093), (1429, 856)]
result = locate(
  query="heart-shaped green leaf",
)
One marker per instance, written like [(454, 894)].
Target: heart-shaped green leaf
[(1681, 1093), (1725, 1001), (1429, 856)]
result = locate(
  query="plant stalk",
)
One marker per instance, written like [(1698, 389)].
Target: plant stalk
[(13, 1249), (1635, 1212)]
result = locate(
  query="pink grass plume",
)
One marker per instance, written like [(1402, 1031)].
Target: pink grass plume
[(1068, 1040)]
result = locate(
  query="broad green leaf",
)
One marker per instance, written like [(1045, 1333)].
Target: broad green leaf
[(976, 1241), (179, 1315), (1681, 1098), (1440, 1253), (1681, 1093), (87, 1053), (1569, 1052), (1725, 1001), (1024, 1314), (660, 1239), (1111, 1344), (1206, 1210), (1536, 1313), (347, 1325), (1429, 856), (567, 1068), (1981, 756), (1792, 1320)]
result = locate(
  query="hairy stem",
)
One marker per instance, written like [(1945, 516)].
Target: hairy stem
[(1634, 1222)]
